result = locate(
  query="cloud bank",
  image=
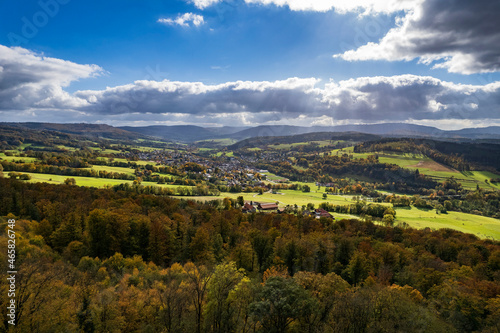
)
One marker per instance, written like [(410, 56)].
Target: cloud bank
[(363, 7), (461, 36), (33, 86)]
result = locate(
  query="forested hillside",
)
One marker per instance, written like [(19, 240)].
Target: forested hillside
[(104, 260), (462, 156)]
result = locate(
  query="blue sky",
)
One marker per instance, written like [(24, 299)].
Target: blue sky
[(340, 61)]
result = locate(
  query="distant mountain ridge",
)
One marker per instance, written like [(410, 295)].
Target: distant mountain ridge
[(193, 133), (88, 130), (196, 133)]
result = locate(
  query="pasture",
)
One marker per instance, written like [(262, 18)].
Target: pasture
[(469, 179), (90, 181), (482, 227), (17, 158)]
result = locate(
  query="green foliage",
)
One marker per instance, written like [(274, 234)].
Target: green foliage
[(279, 303), (221, 310), (70, 181)]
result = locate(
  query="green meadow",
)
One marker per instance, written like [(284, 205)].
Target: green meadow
[(67, 148), (90, 181), (219, 142), (17, 158), (273, 178), (482, 227), (287, 197), (113, 159), (321, 144), (81, 181), (426, 166), (128, 171), (226, 153), (106, 151)]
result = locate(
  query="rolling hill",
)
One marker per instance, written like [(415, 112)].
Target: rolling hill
[(191, 133), (187, 133)]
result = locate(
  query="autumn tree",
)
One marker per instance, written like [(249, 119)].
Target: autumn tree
[(220, 314), (197, 280), (280, 302), (326, 289), (358, 268), (173, 298), (161, 245), (263, 247), (70, 181)]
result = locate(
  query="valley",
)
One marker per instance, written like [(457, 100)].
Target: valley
[(109, 221), (192, 171)]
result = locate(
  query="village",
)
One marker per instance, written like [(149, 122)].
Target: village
[(232, 171)]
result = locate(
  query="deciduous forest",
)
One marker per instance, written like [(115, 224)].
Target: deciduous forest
[(109, 260)]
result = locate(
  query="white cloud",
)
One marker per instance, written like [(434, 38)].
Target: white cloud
[(202, 4), (296, 100), (290, 96), (184, 20), (460, 36), (342, 6), (29, 80)]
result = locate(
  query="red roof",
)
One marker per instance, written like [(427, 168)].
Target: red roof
[(247, 207), (322, 213), (266, 206)]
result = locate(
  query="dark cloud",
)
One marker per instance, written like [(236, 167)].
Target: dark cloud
[(288, 96), (32, 88), (371, 99), (462, 36)]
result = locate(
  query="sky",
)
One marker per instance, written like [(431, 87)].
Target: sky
[(251, 62)]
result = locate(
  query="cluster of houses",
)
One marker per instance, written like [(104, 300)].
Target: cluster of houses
[(254, 206), (230, 170)]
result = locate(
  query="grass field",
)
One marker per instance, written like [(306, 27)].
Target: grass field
[(321, 144), (128, 171), (90, 181), (16, 158), (227, 153), (67, 148), (219, 142), (125, 160), (145, 149), (282, 199), (274, 178), (483, 227), (480, 226), (287, 197), (108, 151), (80, 181), (426, 166)]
